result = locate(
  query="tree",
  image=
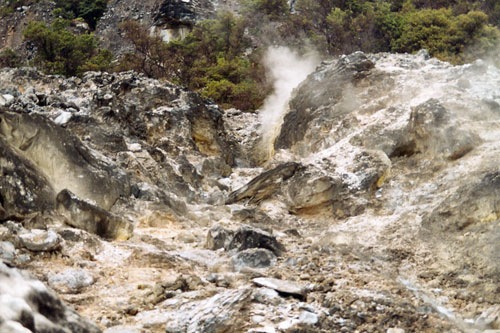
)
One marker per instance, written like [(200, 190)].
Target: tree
[(89, 10), (61, 52), (453, 38), (213, 59)]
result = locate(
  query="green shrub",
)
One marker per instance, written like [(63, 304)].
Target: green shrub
[(5, 11), (271, 9), (89, 10), (61, 52), (9, 58), (212, 60), (453, 38), (7, 7)]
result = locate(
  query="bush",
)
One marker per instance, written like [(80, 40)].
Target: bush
[(212, 60), (61, 52), (270, 9), (453, 38), (8, 7), (151, 55), (8, 58), (5, 11), (89, 10)]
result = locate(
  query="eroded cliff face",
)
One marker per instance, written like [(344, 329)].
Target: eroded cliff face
[(168, 19), (141, 205)]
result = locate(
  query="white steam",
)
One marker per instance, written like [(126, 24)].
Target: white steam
[(287, 70)]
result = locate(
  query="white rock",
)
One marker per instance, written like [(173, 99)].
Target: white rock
[(63, 118), (40, 240), (134, 147), (267, 296), (287, 324), (395, 330), (13, 327), (7, 251), (284, 286), (5, 99), (266, 329), (308, 318), (70, 280)]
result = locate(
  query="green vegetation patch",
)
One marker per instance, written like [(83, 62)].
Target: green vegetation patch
[(59, 51)]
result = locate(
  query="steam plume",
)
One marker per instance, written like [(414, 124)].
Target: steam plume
[(287, 70)]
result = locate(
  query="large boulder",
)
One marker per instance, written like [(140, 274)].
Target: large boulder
[(331, 84), (63, 159), (264, 185), (23, 189), (465, 230), (27, 305), (436, 133), (83, 215)]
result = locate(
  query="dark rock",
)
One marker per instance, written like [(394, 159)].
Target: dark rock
[(83, 215), (247, 237), (326, 86), (264, 185), (175, 12), (219, 237), (254, 258)]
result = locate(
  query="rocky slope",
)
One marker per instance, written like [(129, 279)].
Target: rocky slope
[(142, 206), (168, 19)]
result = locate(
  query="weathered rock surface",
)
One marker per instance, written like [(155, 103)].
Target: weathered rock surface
[(265, 185), (254, 258), (328, 85), (83, 215), (382, 190), (282, 286), (63, 159), (219, 313), (123, 134), (70, 280), (40, 240), (23, 189), (26, 305)]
